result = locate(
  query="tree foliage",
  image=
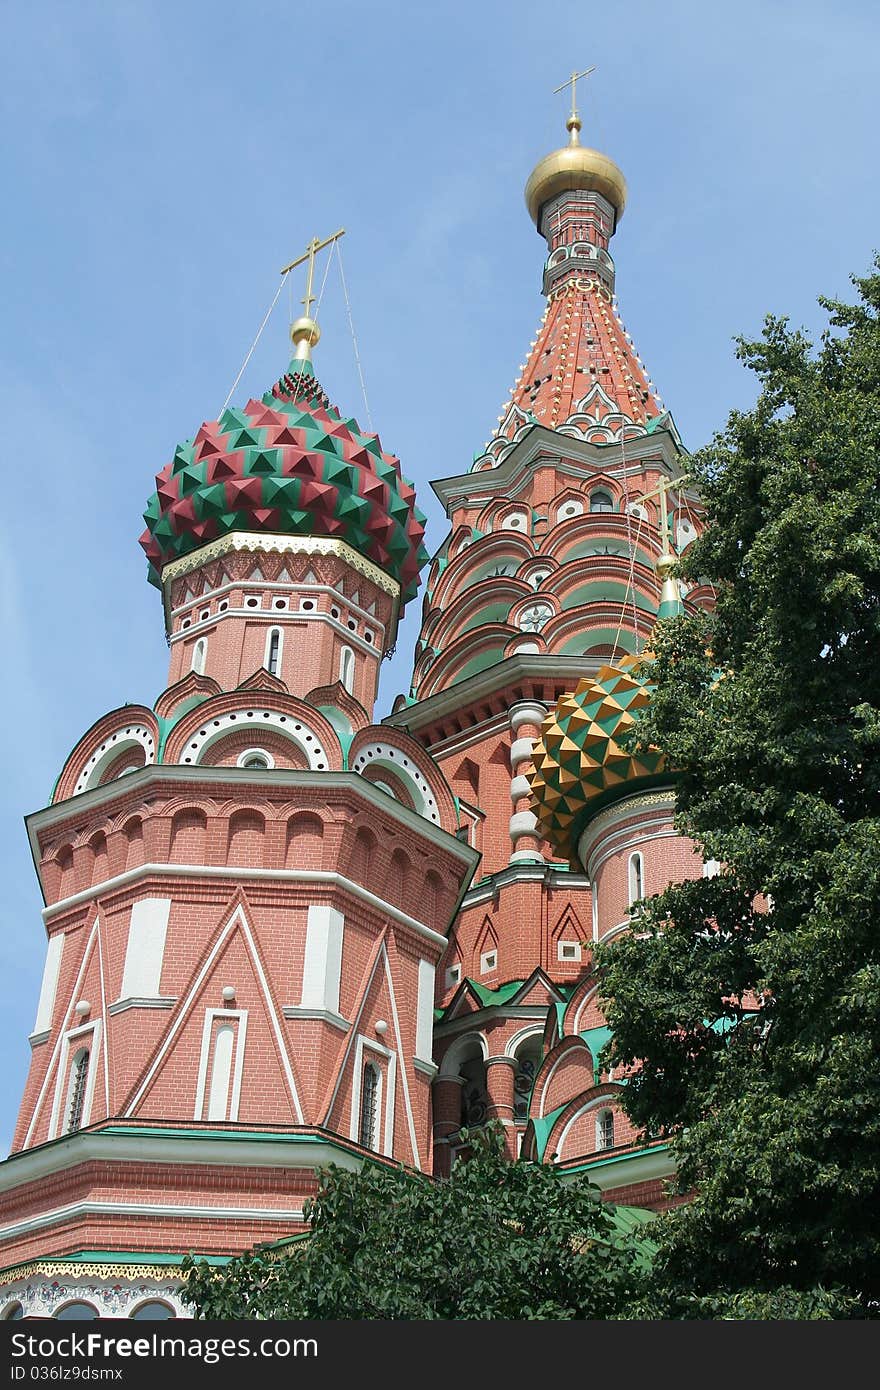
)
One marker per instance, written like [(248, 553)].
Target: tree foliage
[(496, 1240), (751, 1000)]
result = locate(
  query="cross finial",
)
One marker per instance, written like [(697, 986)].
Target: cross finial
[(573, 124), (304, 331)]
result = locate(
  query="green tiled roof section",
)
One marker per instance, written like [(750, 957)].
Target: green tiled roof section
[(488, 997), (542, 1126), (596, 1038)]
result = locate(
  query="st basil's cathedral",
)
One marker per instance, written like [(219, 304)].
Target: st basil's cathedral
[(281, 934)]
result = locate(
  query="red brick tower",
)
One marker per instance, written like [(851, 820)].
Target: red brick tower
[(562, 535), (248, 886)]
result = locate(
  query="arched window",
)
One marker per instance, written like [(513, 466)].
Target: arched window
[(200, 653), (369, 1106), (152, 1311), (636, 884), (346, 668), (601, 502), (76, 1092), (76, 1312), (12, 1312), (605, 1129), (256, 760), (273, 651)]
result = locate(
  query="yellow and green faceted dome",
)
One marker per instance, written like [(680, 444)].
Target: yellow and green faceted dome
[(579, 761), (287, 464)]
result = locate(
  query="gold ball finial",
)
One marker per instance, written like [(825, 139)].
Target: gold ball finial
[(573, 126), (304, 334)]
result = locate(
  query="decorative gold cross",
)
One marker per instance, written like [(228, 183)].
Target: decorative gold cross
[(572, 82), (312, 249), (661, 491)]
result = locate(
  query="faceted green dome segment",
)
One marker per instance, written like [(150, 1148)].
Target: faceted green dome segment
[(288, 464), (579, 762)]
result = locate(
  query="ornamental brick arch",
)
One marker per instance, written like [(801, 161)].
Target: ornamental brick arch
[(362, 848), (306, 727), (130, 727), (184, 694), (594, 528), (304, 840), (562, 1076), (579, 631), (232, 748), (486, 602), (246, 838), (573, 1134), (189, 832), (566, 505), (481, 554), (472, 652), (335, 697), (398, 752), (505, 515)]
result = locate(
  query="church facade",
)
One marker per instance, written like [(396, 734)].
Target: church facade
[(283, 934)]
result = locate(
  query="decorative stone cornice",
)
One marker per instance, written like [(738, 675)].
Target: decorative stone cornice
[(282, 545)]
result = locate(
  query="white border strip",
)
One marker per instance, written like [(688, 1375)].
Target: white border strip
[(323, 876)]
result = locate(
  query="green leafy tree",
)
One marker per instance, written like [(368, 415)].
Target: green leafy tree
[(751, 1000), (496, 1240)]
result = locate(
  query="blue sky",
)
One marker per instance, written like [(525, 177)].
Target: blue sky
[(163, 160)]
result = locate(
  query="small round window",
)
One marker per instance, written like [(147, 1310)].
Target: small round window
[(255, 760)]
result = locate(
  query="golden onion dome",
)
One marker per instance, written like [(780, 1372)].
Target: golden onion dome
[(575, 166)]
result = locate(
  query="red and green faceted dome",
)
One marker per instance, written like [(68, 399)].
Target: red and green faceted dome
[(582, 759), (288, 464)]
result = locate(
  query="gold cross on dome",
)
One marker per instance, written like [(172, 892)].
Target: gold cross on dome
[(572, 82), (661, 492), (312, 249)]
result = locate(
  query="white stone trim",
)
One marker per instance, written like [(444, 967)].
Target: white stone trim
[(30, 1165), (393, 759), (523, 823), (530, 1031), (242, 758), (526, 713), (89, 1036), (208, 1054), (519, 787), (574, 947), (295, 1011), (638, 837), (166, 1001), (57, 1050), (521, 750), (284, 545), (296, 730), (317, 876), (131, 736), (322, 965), (381, 956), (49, 986), (597, 1103), (145, 948), (184, 1210), (386, 1092), (271, 630), (237, 917), (425, 1011)]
